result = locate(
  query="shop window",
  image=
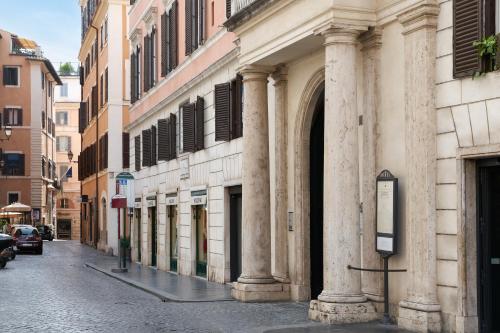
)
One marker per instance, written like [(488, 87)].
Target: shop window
[(11, 76)]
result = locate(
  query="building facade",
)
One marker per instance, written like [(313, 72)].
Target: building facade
[(26, 96), (349, 89), (66, 107), (185, 139), (103, 114)]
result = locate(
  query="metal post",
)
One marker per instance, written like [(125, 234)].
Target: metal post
[(119, 243), (386, 320)]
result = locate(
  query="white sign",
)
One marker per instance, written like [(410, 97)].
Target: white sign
[(151, 202), (125, 181), (384, 244), (171, 201), (385, 207), (137, 205), (199, 200)]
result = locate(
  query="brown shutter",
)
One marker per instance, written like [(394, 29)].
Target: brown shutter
[(101, 97), (173, 35), (173, 136), (146, 63), (20, 120), (106, 85), (154, 147), (228, 8), (125, 150), (188, 124), (163, 140), (467, 29), (137, 148), (106, 153), (194, 23), (146, 148), (164, 44), (222, 96), (201, 21), (95, 105), (132, 78), (200, 123), (237, 107), (82, 117), (189, 27)]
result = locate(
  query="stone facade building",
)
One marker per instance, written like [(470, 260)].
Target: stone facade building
[(185, 138), (29, 174), (66, 106), (102, 116)]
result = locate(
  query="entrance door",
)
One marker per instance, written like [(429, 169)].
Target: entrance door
[(64, 229), (489, 246), (316, 197), (172, 214), (200, 219), (235, 232), (139, 236), (154, 238)]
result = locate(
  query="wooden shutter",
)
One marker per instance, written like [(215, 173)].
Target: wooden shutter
[(146, 148), (188, 124), (164, 44), (194, 22), (106, 153), (132, 78), (146, 63), (154, 147), (222, 96), (467, 29), (20, 120), (200, 124), (173, 136), (237, 107), (189, 27), (137, 149), (201, 22), (173, 35), (95, 105), (125, 150), (101, 97), (163, 140), (81, 72), (106, 85), (228, 8)]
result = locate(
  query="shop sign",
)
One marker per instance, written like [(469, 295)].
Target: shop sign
[(199, 197), (137, 203), (171, 199), (151, 201), (387, 212)]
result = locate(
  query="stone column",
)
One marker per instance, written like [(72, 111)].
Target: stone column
[(420, 311), (341, 300), (281, 198), (372, 282), (256, 282)]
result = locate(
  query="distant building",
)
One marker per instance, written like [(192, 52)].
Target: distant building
[(66, 106), (29, 172)]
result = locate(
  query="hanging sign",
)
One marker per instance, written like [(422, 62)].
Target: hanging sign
[(387, 212)]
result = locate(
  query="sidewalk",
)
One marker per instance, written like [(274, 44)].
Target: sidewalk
[(165, 285)]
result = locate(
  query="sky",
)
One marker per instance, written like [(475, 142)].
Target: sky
[(52, 24)]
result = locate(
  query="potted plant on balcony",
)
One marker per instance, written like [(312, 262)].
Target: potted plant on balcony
[(487, 50)]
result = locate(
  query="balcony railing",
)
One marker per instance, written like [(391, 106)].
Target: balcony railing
[(237, 5)]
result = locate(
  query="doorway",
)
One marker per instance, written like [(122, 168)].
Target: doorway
[(200, 222), (138, 233), (172, 215), (154, 238), (488, 249), (64, 229), (235, 252), (316, 159)]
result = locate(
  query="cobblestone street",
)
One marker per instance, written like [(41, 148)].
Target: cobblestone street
[(55, 292)]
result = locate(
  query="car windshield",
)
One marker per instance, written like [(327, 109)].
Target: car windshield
[(28, 231)]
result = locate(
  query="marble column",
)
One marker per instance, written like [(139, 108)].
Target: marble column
[(341, 300), (256, 282), (372, 282), (420, 311), (281, 198)]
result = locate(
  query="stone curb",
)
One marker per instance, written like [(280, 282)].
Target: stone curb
[(162, 295)]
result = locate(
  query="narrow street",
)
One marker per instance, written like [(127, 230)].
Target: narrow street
[(55, 292)]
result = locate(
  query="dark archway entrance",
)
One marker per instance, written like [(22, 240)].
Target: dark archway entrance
[(316, 156)]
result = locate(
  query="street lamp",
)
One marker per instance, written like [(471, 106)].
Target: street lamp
[(7, 132), (70, 155)]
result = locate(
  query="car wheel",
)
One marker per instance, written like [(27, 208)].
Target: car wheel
[(3, 262)]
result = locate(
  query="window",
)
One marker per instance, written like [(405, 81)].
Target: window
[(195, 24), (13, 116), (150, 60), (228, 101), (13, 164), (63, 143), (167, 138), (13, 197), (169, 40), (64, 90), (102, 36), (62, 118), (135, 72), (64, 172), (137, 152), (49, 125), (43, 80), (106, 85), (43, 167), (106, 30), (11, 76), (193, 125), (64, 202), (101, 97)]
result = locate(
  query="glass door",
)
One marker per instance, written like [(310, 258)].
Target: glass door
[(172, 213), (200, 217)]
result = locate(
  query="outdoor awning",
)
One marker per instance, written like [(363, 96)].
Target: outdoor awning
[(16, 207), (10, 214)]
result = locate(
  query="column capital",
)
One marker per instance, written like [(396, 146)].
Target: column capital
[(422, 16), (280, 75), (371, 39), (339, 34), (255, 72)]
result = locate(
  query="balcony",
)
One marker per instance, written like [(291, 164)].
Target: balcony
[(237, 5)]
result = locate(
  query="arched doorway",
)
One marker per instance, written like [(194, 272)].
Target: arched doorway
[(316, 158)]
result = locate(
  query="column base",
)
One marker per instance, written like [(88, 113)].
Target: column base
[(342, 313), (418, 317), (260, 292)]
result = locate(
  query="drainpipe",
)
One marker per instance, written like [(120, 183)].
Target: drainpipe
[(96, 230)]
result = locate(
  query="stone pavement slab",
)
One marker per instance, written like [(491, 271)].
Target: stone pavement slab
[(165, 285)]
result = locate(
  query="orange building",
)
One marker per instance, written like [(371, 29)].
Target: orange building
[(29, 173), (102, 116)]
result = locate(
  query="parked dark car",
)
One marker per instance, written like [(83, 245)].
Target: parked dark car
[(27, 238), (6, 249), (45, 232)]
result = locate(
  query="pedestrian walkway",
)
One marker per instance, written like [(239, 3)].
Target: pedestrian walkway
[(165, 285)]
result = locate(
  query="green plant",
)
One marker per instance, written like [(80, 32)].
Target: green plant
[(66, 69), (487, 50)]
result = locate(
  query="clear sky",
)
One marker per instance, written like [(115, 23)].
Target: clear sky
[(53, 24)]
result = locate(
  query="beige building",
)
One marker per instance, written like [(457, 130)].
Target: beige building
[(66, 106), (26, 97), (342, 90)]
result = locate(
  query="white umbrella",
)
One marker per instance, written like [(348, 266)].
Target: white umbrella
[(16, 207)]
